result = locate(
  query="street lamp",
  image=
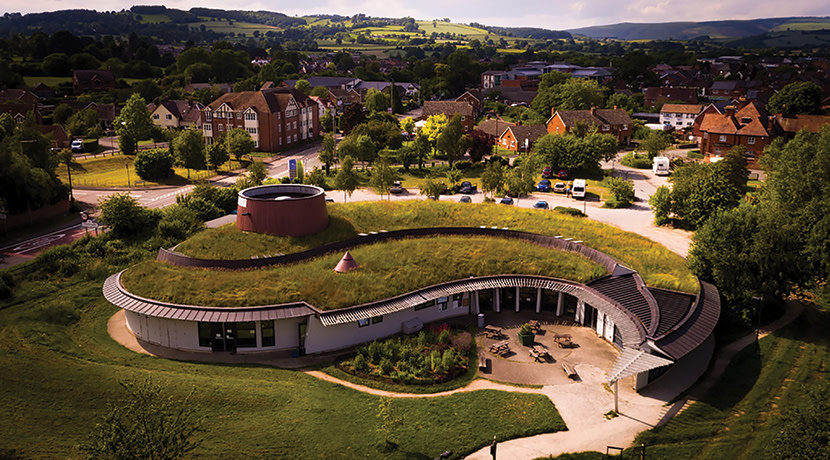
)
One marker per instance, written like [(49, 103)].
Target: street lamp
[(127, 165)]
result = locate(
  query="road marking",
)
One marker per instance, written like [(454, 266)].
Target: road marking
[(38, 243)]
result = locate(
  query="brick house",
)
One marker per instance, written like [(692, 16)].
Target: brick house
[(275, 118), (750, 126), (520, 138), (18, 103), (176, 114), (655, 95), (680, 116), (450, 108), (475, 98), (92, 80), (606, 121), (792, 124)]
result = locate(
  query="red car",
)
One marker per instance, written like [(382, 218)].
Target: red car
[(547, 172), (563, 174)]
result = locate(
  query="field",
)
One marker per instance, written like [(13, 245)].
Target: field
[(117, 170), (441, 27)]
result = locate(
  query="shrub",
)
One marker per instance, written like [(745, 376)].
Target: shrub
[(569, 211), (639, 161), (525, 329), (694, 154), (463, 164), (154, 164), (623, 191)]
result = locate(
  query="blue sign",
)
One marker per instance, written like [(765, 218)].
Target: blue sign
[(292, 169)]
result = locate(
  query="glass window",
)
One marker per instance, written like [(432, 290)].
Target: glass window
[(722, 138), (250, 115), (208, 127), (362, 322), (208, 116), (246, 334), (155, 116), (267, 332), (168, 117), (377, 319), (750, 140), (238, 115), (205, 334)]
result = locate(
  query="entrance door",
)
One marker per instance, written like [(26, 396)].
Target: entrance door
[(302, 328)]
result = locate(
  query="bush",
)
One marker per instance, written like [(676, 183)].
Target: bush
[(569, 211), (622, 190), (154, 164), (639, 161), (463, 164), (695, 154)]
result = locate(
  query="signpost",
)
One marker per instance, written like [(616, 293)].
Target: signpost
[(292, 169)]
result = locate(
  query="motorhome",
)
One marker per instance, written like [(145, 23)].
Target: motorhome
[(578, 188), (661, 166)]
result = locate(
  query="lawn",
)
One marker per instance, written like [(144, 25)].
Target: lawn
[(658, 266), (60, 369), (386, 270), (742, 413), (448, 27)]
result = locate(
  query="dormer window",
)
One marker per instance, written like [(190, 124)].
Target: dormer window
[(746, 120)]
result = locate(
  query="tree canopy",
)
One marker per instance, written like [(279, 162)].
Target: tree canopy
[(132, 124), (803, 97)]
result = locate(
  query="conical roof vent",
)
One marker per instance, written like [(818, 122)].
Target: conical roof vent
[(346, 263)]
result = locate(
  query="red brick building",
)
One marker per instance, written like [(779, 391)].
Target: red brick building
[(520, 138), (450, 108), (606, 121), (750, 126), (275, 118)]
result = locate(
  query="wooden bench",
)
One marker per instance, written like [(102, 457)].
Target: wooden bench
[(563, 340), (539, 354), (569, 369), (535, 326), (482, 361), (500, 348)]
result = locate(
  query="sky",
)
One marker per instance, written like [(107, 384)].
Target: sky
[(548, 14)]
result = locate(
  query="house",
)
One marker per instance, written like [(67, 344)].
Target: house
[(726, 89), (520, 138), (106, 112), (84, 81), (494, 126), (342, 98), (606, 121), (19, 103), (680, 116), (58, 138), (792, 124), (450, 108), (275, 118), (42, 91), (750, 126), (346, 83), (475, 98), (655, 95), (176, 114)]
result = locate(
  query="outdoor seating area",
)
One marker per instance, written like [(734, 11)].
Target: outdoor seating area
[(500, 348), (535, 326), (569, 369), (563, 340), (539, 353), (493, 332)]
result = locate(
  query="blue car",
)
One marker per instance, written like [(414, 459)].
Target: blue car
[(506, 200), (540, 205), (544, 185)]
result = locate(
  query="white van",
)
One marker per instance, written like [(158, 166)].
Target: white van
[(661, 166), (578, 188)]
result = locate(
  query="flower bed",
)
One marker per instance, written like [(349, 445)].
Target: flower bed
[(434, 356)]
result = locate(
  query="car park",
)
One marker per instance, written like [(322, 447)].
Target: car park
[(544, 185), (560, 187), (465, 199), (547, 172), (540, 205), (562, 174), (506, 200)]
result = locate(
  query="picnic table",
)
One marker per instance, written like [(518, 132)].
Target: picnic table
[(564, 340), (493, 331), (569, 369), (500, 348), (535, 326), (539, 353)]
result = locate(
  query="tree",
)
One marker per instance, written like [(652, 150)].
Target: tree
[(453, 176), (432, 189), (480, 144), (395, 98), (62, 113), (570, 94), (239, 143), (492, 179), (217, 155), (302, 86), (148, 424), (346, 178), (655, 142), (326, 155), (802, 97), (359, 147), (316, 177), (433, 127), (66, 157), (382, 176), (408, 126), (352, 116), (451, 142), (660, 203), (698, 190), (521, 179), (132, 124), (327, 122), (125, 217), (189, 150), (81, 123), (574, 152), (622, 191), (422, 148), (733, 167), (375, 101), (154, 164)]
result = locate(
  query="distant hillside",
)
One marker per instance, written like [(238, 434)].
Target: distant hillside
[(732, 29)]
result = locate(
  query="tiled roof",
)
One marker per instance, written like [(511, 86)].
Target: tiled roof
[(270, 100), (795, 123), (681, 108), (697, 326), (625, 290), (673, 308), (494, 127), (448, 108), (597, 117), (529, 132)]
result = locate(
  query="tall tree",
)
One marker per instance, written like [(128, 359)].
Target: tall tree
[(492, 179), (326, 155), (376, 101), (346, 178), (655, 142), (567, 94), (382, 176), (217, 155), (480, 144), (132, 124), (451, 142), (188, 147), (804, 97), (352, 116), (239, 143)]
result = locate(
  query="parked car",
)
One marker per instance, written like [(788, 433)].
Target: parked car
[(77, 145), (544, 185), (560, 187), (562, 174), (547, 172), (467, 187), (465, 199), (540, 205), (506, 200), (578, 189), (396, 187)]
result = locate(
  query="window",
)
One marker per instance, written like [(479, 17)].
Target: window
[(221, 127), (606, 127), (750, 140), (250, 116), (362, 322), (246, 334), (208, 116), (722, 138), (238, 115), (423, 306), (377, 319), (679, 123), (205, 334), (295, 125), (168, 117), (155, 116), (251, 130), (267, 332), (207, 127)]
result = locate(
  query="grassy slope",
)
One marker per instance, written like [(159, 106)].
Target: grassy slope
[(386, 270), (60, 368), (657, 265)]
